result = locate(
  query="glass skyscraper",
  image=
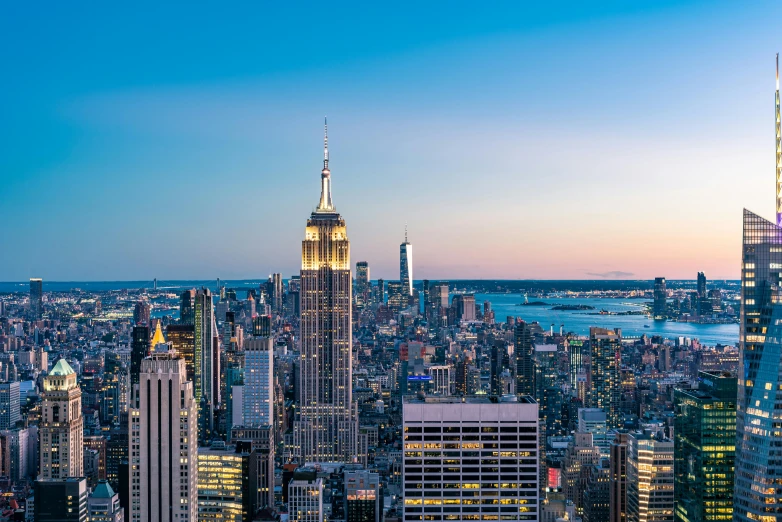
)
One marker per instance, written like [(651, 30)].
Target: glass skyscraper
[(406, 266), (758, 484), (606, 361), (704, 449)]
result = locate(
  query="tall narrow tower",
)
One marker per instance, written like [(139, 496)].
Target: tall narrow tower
[(62, 426), (406, 266), (327, 425), (779, 150)]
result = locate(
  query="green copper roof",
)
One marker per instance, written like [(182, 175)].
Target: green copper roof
[(103, 490), (62, 368)]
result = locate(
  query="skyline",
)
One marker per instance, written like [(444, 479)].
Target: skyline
[(164, 160)]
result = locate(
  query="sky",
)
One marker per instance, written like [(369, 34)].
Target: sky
[(517, 140)]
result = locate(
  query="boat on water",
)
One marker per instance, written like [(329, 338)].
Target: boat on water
[(647, 326)]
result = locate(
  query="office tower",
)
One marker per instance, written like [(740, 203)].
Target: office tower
[(440, 383), (362, 282), (204, 363), (187, 307), (779, 149), (701, 284), (36, 298), (15, 445), (427, 296), (523, 352), (362, 496), (618, 479), (488, 314), (262, 326), (381, 292), (61, 427), (261, 441), (103, 505), (593, 420), (605, 393), (117, 456), (465, 307), (499, 361), (756, 495), (596, 494), (468, 482), (163, 448), (139, 348), (575, 351), (97, 443), (659, 306), (141, 313), (226, 483), (406, 266), (704, 448), (9, 405), (61, 500), (182, 339), (649, 478), (305, 497), (258, 393), (274, 292), (397, 299), (327, 425), (580, 455), (547, 390), (461, 371)]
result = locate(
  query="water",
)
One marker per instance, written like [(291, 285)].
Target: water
[(105, 286), (579, 321)]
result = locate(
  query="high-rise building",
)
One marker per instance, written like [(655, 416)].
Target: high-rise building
[(36, 298), (61, 500), (523, 352), (362, 496), (406, 266), (659, 306), (261, 441), (163, 442), (606, 392), (275, 293), (182, 339), (701, 284), (704, 449), (596, 493), (141, 313), (327, 425), (305, 497), (649, 478), (757, 495), (381, 291), (575, 348), (498, 363), (9, 405), (206, 371), (103, 504), (226, 483), (362, 282), (618, 479), (397, 299), (465, 307), (187, 307), (258, 393), (139, 348), (593, 420), (440, 383), (459, 485), (62, 426), (580, 455)]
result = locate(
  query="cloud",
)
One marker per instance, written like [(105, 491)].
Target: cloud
[(611, 274)]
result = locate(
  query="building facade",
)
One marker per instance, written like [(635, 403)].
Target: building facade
[(406, 267), (258, 392), (649, 478), (606, 392), (62, 426)]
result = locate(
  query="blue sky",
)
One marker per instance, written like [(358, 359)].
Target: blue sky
[(517, 141)]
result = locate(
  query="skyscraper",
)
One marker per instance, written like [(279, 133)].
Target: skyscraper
[(163, 442), (660, 294), (182, 339), (757, 495), (704, 448), (606, 389), (226, 483), (62, 427), (362, 496), (468, 483), (36, 298), (141, 313), (362, 282), (618, 479), (327, 424), (187, 307), (258, 393), (61, 500), (406, 266), (204, 381), (649, 478), (701, 284), (523, 352), (9, 405), (139, 348)]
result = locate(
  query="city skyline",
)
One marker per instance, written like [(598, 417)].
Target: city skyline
[(128, 153)]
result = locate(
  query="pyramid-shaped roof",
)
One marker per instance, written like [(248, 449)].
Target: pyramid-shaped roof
[(103, 490), (62, 368), (157, 338)]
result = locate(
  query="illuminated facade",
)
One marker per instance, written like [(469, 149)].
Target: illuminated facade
[(606, 392), (362, 283), (362, 496), (36, 298), (705, 447), (163, 442), (61, 430), (258, 393), (649, 478), (471, 460), (224, 489), (305, 497), (326, 429), (406, 266), (206, 363), (758, 472)]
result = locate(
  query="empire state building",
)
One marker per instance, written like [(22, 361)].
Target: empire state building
[(326, 427)]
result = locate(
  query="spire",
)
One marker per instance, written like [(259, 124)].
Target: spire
[(779, 150), (405, 232), (325, 204)]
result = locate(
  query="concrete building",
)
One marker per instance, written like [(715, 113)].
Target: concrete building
[(9, 405), (468, 482), (258, 392), (441, 380), (61, 500), (61, 430), (103, 504), (362, 497), (305, 497), (618, 479)]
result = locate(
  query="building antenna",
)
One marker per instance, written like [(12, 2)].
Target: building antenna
[(325, 143), (779, 151), (405, 232)]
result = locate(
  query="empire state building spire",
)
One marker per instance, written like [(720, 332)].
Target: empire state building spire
[(325, 204)]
